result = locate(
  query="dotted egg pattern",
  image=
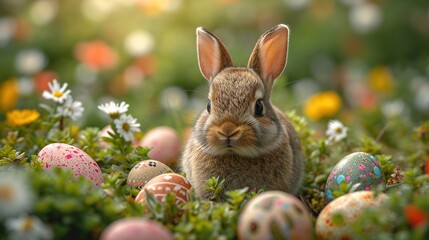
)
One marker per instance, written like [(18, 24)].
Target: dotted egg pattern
[(356, 168), (144, 171), (274, 210), (163, 184), (71, 157), (350, 206)]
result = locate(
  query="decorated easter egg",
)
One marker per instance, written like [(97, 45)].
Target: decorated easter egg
[(144, 171), (165, 144), (71, 157), (348, 208), (136, 229), (274, 215), (358, 169), (165, 183)]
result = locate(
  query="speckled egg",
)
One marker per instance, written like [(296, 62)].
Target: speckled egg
[(136, 229), (165, 183), (71, 157), (351, 207), (144, 171), (274, 214), (356, 168), (165, 144)]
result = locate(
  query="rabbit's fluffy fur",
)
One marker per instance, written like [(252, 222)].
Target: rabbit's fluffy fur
[(241, 137)]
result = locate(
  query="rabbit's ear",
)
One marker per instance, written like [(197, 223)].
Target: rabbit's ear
[(212, 54), (269, 56)]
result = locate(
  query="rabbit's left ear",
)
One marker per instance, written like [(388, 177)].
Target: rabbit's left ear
[(212, 54), (269, 56)]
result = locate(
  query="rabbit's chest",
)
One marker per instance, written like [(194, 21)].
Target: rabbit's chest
[(252, 173)]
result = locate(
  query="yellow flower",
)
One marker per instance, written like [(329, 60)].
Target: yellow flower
[(8, 94), (380, 79), (21, 117), (323, 104)]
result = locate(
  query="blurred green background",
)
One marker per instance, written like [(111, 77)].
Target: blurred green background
[(373, 53)]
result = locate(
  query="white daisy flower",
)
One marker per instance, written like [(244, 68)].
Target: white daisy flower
[(336, 131), (57, 92), (113, 109), (16, 197), (365, 17), (70, 108), (28, 228), (126, 126), (30, 61)]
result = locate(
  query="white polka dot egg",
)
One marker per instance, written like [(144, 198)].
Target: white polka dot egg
[(163, 184), (274, 215), (144, 171), (73, 158)]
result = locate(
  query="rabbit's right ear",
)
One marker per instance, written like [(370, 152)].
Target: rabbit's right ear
[(212, 54)]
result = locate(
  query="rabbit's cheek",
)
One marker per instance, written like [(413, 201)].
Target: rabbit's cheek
[(248, 137)]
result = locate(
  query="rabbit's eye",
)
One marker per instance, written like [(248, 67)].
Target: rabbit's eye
[(259, 108), (209, 106)]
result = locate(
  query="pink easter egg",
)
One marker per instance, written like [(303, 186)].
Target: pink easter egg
[(165, 144), (136, 229), (71, 157)]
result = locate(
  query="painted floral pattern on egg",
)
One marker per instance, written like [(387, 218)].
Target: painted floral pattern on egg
[(165, 183), (356, 168), (73, 158)]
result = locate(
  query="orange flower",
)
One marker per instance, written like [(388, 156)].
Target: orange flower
[(321, 105), (22, 117), (156, 7), (96, 55), (427, 165), (414, 215), (42, 79), (8, 94), (380, 79)]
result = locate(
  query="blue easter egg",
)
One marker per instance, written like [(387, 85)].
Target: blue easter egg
[(356, 168)]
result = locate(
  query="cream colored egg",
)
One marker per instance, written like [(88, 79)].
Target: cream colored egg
[(274, 215), (349, 208), (144, 171)]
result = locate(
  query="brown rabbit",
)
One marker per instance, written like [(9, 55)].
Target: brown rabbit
[(241, 137)]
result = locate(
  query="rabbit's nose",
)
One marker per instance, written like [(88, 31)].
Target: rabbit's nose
[(228, 132)]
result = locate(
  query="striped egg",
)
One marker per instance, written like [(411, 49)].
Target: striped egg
[(73, 158), (166, 183)]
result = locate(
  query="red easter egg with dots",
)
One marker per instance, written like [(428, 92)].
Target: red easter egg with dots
[(165, 183), (165, 144), (136, 229), (71, 157)]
